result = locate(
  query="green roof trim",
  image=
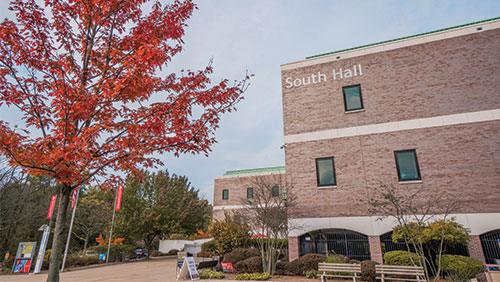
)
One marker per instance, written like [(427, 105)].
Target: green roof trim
[(255, 170), (401, 38)]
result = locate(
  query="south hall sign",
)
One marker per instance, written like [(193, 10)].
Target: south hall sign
[(319, 77)]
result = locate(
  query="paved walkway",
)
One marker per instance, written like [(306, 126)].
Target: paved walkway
[(152, 270)]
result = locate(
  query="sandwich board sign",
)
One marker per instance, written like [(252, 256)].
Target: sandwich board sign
[(24, 257), (188, 266)]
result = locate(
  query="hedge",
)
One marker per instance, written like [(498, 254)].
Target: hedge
[(400, 258), (461, 268), (240, 254), (249, 265)]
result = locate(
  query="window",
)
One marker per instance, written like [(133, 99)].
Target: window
[(225, 194), (250, 193), (407, 165), (325, 172), (352, 98), (275, 191)]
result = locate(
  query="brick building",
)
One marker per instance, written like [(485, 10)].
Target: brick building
[(420, 112)]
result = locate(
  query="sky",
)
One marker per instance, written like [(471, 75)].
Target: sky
[(259, 36)]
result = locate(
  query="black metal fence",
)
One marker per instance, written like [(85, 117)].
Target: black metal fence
[(337, 241), (491, 246)]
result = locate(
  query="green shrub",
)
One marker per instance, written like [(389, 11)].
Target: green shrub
[(210, 274), (205, 254), (337, 259), (172, 252), (284, 268), (209, 246), (400, 258), (312, 274), (240, 254), (7, 265), (249, 265), (307, 262), (460, 268), (368, 273), (253, 276), (116, 252)]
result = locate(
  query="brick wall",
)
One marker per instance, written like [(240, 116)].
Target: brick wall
[(475, 249), (457, 160), (438, 78), (237, 186), (293, 248), (375, 249)]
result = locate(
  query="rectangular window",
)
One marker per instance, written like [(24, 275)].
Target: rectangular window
[(352, 98), (225, 194), (276, 191), (407, 165), (249, 193), (325, 172)]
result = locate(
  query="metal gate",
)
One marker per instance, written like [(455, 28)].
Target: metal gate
[(491, 246), (337, 241)]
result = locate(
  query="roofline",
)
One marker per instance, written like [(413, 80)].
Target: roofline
[(387, 45), (250, 172)]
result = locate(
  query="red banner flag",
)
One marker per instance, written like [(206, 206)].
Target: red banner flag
[(119, 198), (52, 205), (73, 199)]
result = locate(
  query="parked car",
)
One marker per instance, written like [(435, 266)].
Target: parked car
[(140, 253)]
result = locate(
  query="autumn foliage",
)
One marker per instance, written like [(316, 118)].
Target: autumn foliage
[(104, 241), (83, 80)]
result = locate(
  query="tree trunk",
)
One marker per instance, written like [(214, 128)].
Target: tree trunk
[(58, 241)]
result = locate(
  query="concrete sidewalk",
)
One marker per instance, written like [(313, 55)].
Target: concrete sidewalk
[(151, 270)]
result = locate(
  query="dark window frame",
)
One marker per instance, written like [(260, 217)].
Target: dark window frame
[(334, 174), (225, 198), (273, 194), (414, 151), (248, 190), (360, 98)]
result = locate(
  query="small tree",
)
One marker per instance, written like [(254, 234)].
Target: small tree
[(229, 233), (267, 215), (422, 218), (160, 205)]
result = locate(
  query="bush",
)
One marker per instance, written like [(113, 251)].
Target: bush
[(284, 268), (305, 263), (178, 237), (240, 254), (249, 265), (400, 258), (116, 252), (205, 254), (368, 273), (210, 274), (337, 259), (155, 253), (172, 252), (229, 234), (312, 274), (7, 265), (81, 261), (460, 268), (253, 276), (209, 246)]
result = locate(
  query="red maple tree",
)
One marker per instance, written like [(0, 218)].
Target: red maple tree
[(83, 79)]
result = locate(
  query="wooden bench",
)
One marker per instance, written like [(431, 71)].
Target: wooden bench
[(354, 269), (387, 272)]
